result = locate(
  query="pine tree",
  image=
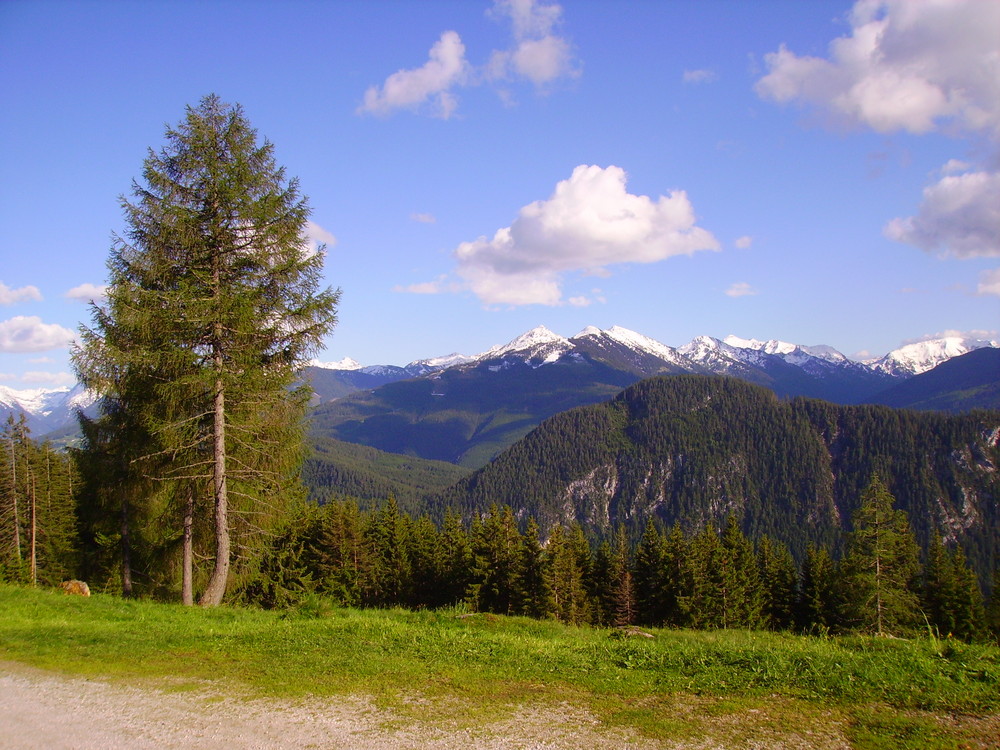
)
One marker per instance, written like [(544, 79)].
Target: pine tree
[(743, 598), (778, 577), (534, 594), (621, 604), (213, 304), (497, 558), (818, 604), (649, 576), (881, 566), (456, 559), (705, 603)]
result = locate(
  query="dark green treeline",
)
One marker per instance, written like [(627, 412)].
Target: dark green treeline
[(38, 531), (711, 578)]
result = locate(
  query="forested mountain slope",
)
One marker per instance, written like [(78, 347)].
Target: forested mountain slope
[(695, 449), (467, 415)]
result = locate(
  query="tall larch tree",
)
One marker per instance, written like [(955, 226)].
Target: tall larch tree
[(214, 303)]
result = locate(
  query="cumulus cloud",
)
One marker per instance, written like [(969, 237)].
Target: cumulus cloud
[(958, 216), (87, 292), (744, 242), (446, 68), (423, 218), (10, 296), (913, 65), (989, 282), (740, 289), (29, 334), (591, 221), (538, 54), (702, 75)]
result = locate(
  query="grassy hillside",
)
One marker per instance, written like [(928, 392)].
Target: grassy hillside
[(724, 688)]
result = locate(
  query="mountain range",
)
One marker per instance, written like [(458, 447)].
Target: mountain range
[(609, 360), (468, 412)]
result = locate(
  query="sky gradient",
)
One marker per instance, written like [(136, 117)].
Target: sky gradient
[(820, 172)]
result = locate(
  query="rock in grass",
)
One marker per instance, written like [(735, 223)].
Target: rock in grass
[(79, 588)]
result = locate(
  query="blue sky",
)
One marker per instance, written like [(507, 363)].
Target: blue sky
[(818, 172)]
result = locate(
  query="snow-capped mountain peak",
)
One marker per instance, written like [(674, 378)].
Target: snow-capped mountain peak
[(643, 344), (538, 344), (342, 364), (914, 359), (795, 354)]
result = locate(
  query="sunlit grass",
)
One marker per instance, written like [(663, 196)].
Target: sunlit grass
[(678, 684)]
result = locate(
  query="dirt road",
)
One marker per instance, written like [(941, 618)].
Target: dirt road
[(43, 710)]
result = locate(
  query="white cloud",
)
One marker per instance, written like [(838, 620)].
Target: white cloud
[(740, 289), (588, 223), (48, 378), (87, 292), (744, 242), (959, 216), (913, 65), (989, 282), (30, 334), (702, 75), (10, 296), (538, 54), (445, 69), (423, 218)]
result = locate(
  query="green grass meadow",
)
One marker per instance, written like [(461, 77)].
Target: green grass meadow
[(727, 686)]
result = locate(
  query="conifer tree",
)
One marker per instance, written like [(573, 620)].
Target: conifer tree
[(881, 565), (818, 604), (533, 584), (497, 559), (456, 559), (212, 306), (649, 576), (778, 581)]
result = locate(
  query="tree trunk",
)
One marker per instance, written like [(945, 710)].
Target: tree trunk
[(216, 588), (126, 553), (33, 529), (13, 485), (187, 564)]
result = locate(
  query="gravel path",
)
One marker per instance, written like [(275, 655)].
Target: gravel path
[(40, 709)]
